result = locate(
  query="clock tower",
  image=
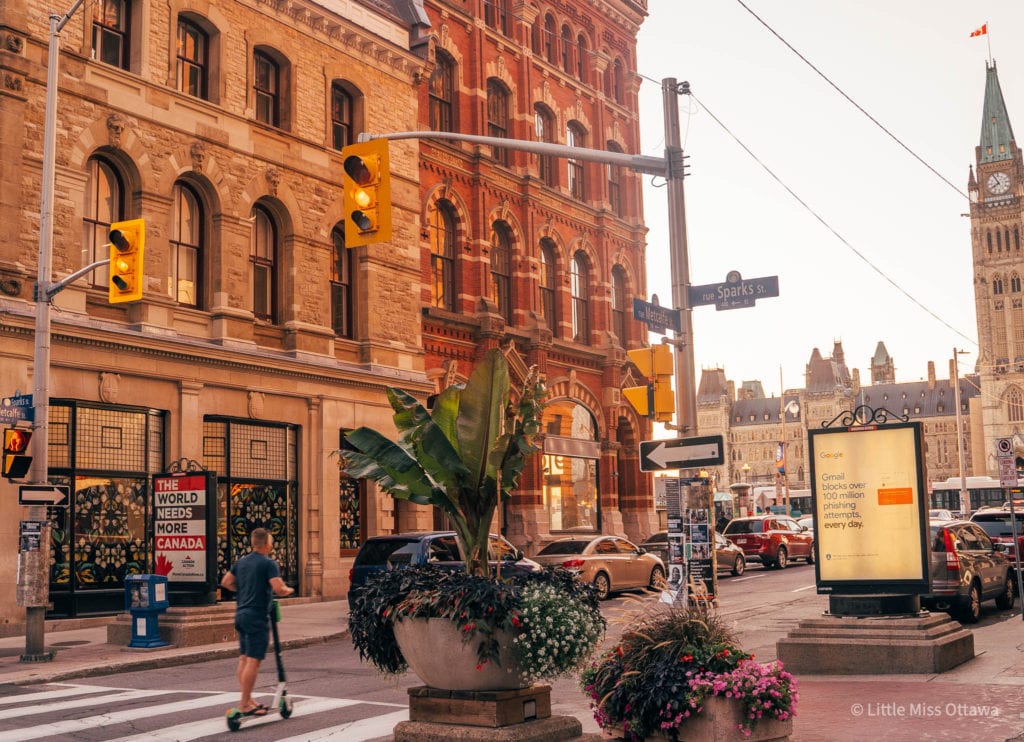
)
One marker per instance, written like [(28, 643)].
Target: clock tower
[(997, 220)]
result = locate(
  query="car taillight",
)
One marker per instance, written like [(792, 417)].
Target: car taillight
[(952, 560), (573, 564)]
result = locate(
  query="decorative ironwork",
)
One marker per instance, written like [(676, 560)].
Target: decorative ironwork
[(864, 415), (184, 465)]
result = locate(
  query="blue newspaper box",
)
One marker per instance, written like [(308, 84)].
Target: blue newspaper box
[(145, 597)]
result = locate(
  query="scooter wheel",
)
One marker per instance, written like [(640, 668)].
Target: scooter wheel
[(234, 719), (285, 708)]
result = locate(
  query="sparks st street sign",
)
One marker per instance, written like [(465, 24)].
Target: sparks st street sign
[(735, 293), (656, 317), (682, 453), (54, 495)]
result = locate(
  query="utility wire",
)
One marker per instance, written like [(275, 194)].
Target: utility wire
[(852, 102)]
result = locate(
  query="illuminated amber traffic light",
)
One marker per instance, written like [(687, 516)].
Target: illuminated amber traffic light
[(127, 244), (16, 458), (367, 193), (656, 398)]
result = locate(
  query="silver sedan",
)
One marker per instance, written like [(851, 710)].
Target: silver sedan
[(609, 563)]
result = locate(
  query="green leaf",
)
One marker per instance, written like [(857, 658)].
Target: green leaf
[(481, 413)]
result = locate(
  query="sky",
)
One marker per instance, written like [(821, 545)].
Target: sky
[(912, 65)]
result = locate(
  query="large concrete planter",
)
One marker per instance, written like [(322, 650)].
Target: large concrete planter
[(719, 721), (436, 652)]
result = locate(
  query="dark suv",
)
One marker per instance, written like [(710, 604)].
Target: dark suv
[(440, 548), (998, 524), (967, 568), (771, 539)]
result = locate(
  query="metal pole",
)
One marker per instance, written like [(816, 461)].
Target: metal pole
[(965, 496), (686, 388)]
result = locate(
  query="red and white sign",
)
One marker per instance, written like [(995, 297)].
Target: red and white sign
[(179, 524)]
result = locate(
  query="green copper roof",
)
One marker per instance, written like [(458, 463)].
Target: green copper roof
[(996, 132)]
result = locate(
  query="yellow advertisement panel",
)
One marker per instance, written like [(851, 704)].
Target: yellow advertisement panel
[(867, 500)]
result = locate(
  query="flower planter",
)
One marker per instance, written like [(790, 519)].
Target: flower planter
[(435, 651), (719, 721)]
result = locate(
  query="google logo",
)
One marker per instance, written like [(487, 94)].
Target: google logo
[(830, 455)]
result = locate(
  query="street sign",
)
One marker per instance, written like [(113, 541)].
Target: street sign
[(735, 293), (1004, 448), (682, 453), (56, 495), (15, 408), (656, 317), (1007, 473)]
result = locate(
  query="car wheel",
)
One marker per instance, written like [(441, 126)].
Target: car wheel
[(782, 559), (1008, 597), (657, 579), (810, 555), (970, 612), (603, 586), (739, 565)]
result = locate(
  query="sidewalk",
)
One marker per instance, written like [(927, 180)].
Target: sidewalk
[(981, 701)]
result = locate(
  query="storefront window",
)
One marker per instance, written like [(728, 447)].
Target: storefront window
[(571, 454)]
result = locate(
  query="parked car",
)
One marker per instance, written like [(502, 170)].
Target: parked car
[(609, 563), (440, 548), (729, 557), (940, 514), (771, 539), (966, 569), (998, 524)]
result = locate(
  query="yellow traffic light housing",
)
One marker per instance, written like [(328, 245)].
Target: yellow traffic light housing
[(127, 244), (656, 399), (366, 182), (16, 459)]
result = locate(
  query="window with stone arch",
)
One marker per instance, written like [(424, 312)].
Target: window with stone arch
[(618, 90), (497, 117), (582, 58), (1015, 405), (548, 266), (1015, 283), (185, 261), (614, 173), (997, 285), (343, 108), (271, 72), (501, 268), (442, 94), (619, 305), (550, 39), (544, 126), (580, 285), (193, 63), (343, 263), (442, 226), (263, 264), (568, 59), (104, 204), (575, 136)]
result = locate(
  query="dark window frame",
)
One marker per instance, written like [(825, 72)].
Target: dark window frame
[(267, 88), (180, 246), (193, 53)]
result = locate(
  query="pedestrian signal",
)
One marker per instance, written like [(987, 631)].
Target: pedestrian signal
[(16, 461)]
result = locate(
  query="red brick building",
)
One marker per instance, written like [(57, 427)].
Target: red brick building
[(541, 255)]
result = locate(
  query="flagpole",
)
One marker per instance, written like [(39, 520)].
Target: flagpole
[(988, 40)]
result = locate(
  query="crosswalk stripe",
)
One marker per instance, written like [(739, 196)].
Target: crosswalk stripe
[(116, 717), (42, 708), (63, 692), (362, 730), (206, 727)]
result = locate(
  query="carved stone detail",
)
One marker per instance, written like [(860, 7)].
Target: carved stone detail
[(110, 387)]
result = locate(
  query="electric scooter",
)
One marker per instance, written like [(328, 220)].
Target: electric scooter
[(281, 704)]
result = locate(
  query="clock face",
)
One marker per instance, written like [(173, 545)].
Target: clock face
[(998, 183)]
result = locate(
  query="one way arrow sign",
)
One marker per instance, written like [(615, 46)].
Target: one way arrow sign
[(44, 494), (682, 453)]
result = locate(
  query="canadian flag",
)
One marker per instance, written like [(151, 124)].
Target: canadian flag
[(980, 31)]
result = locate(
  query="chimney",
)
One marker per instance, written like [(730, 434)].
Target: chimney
[(856, 381), (931, 374)]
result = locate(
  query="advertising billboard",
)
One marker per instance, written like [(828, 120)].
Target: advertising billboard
[(184, 531), (870, 517)]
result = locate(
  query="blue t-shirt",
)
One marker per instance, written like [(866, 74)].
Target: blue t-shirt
[(253, 573)]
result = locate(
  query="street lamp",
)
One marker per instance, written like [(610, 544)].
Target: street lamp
[(746, 472)]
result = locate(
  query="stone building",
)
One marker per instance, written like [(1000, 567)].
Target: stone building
[(259, 338), (541, 255)]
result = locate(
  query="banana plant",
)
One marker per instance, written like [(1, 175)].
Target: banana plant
[(463, 456)]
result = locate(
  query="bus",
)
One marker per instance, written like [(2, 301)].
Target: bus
[(984, 492), (799, 501)]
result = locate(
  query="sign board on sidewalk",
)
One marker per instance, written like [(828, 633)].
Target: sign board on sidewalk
[(184, 546), (1007, 472), (682, 453), (54, 495), (735, 292)]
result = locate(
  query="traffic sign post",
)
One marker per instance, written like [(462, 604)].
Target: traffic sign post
[(53, 495), (682, 453)]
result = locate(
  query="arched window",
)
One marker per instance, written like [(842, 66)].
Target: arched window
[(999, 241), (497, 117), (536, 33), (567, 56), (550, 39), (988, 240), (997, 285), (263, 257), (442, 94), (185, 262), (618, 81), (193, 59), (614, 173), (341, 116), (571, 476), (580, 299), (582, 58), (501, 269), (548, 306), (267, 88), (111, 26), (575, 137), (1015, 405), (104, 204), (1015, 283), (619, 311), (442, 255), (342, 305), (544, 122)]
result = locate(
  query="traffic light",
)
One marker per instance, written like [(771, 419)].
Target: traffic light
[(127, 243), (16, 462), (367, 193), (655, 399)]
